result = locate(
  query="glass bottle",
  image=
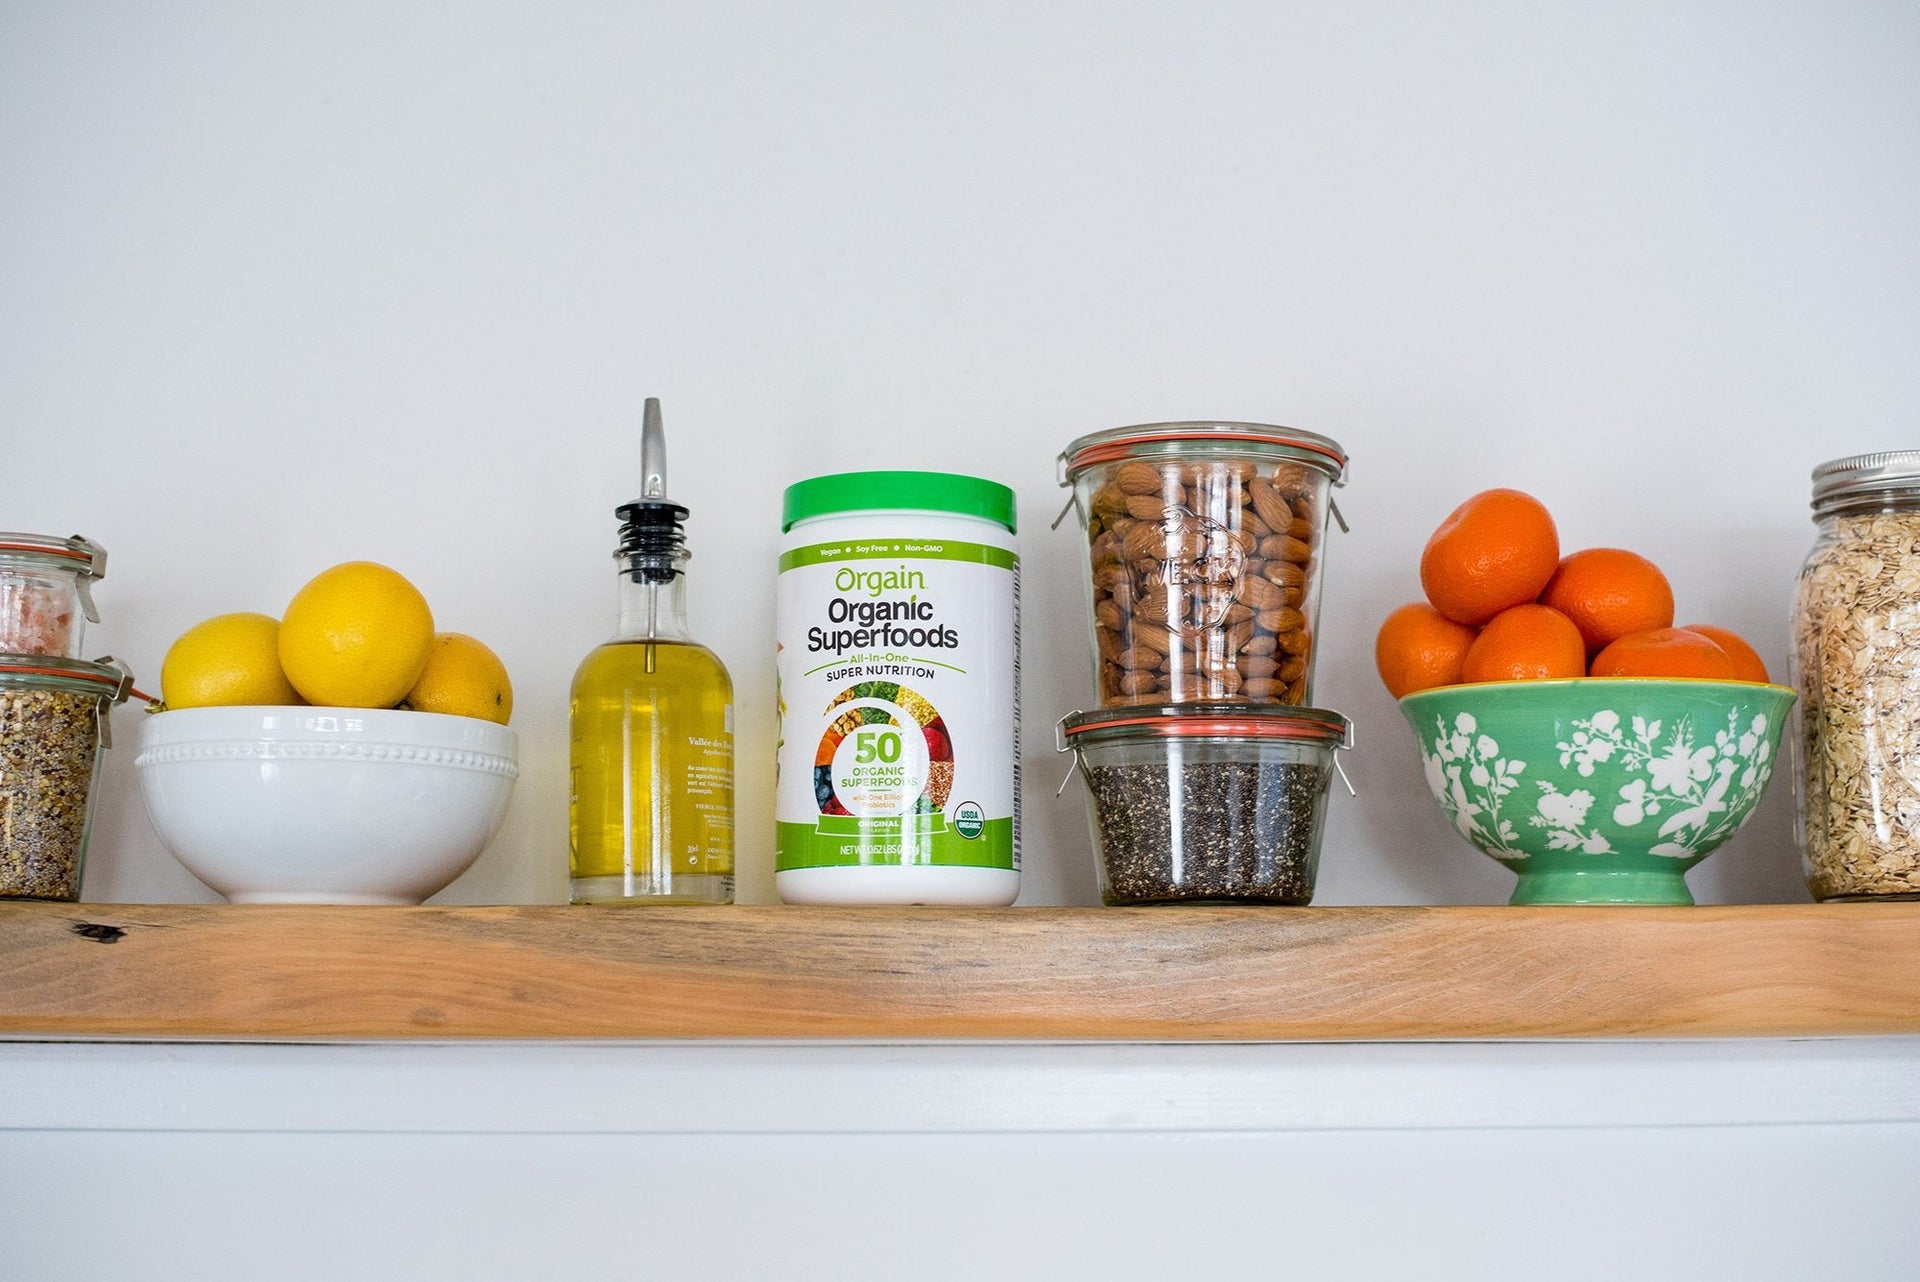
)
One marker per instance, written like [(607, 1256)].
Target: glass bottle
[(1856, 663), (651, 806)]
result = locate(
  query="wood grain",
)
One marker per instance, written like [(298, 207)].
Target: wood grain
[(228, 972)]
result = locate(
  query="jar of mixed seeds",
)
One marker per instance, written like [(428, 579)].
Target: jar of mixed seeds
[(1206, 803), (53, 725), (1205, 543), (1856, 662)]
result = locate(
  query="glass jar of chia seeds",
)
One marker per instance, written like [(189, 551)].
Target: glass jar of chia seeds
[(53, 724), (1205, 544), (1207, 803), (45, 592)]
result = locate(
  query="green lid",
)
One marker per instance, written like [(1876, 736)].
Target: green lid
[(897, 492)]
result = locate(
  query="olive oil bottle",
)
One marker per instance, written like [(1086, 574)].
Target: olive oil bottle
[(651, 810)]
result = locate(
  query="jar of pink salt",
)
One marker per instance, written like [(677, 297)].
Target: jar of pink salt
[(46, 598)]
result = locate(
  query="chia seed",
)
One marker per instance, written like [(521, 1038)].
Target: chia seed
[(1219, 831)]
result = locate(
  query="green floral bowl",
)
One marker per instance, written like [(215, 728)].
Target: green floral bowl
[(1598, 790)]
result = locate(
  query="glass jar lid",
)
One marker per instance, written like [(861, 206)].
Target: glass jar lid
[(80, 557), (1207, 720), (104, 677), (1843, 480), (1147, 439)]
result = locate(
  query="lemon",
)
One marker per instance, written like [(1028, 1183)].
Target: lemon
[(228, 659), (356, 636), (464, 678)]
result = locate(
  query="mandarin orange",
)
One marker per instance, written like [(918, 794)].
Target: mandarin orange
[(1494, 551), (1419, 648), (1747, 663), (1609, 592), (1664, 652), (1526, 643)]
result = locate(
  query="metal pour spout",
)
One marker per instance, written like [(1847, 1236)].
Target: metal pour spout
[(653, 452)]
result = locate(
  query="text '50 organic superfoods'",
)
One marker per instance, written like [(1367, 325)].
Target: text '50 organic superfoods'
[(898, 622)]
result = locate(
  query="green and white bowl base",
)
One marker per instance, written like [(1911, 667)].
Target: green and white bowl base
[(1619, 879)]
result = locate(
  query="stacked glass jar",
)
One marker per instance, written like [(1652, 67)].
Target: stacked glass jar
[(53, 712), (1207, 767)]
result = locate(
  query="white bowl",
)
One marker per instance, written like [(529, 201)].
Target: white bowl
[(297, 805)]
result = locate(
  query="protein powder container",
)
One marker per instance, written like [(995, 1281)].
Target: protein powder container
[(898, 628)]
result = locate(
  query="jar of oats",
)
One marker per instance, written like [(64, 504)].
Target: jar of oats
[(1856, 661), (53, 724)]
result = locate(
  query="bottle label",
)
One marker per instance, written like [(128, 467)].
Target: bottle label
[(898, 676)]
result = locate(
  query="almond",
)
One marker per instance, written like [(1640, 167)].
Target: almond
[(1282, 623), (1258, 665), (1138, 478), (1282, 620), (1259, 593), (1273, 509), (1144, 541), (1261, 688), (1153, 638), (1145, 507), (1108, 500), (1221, 681), (1289, 548)]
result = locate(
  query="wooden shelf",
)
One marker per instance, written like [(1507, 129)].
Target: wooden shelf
[(221, 972)]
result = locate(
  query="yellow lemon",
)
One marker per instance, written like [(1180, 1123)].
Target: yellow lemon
[(356, 636), (228, 659), (464, 678)]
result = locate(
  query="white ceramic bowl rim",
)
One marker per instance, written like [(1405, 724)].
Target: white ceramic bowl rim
[(301, 721), (308, 733)]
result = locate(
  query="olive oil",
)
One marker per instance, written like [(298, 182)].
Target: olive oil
[(652, 811), (651, 807)]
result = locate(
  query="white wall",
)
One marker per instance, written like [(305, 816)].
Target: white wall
[(285, 285)]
